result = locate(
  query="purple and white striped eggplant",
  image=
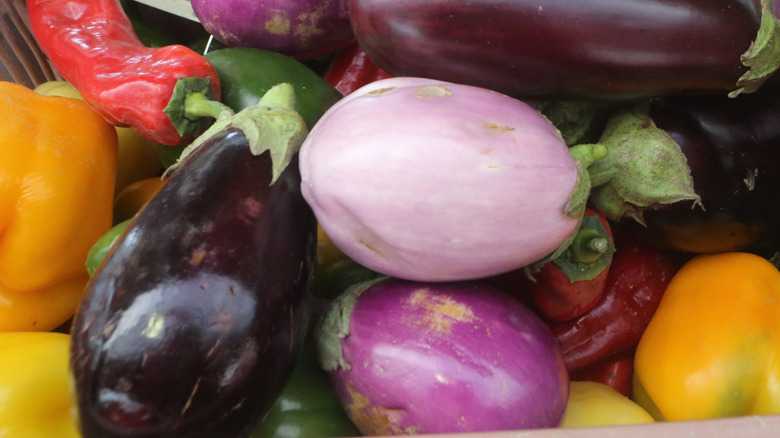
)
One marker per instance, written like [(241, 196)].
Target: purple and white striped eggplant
[(434, 181), (416, 358)]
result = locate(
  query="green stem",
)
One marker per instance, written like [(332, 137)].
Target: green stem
[(197, 105)]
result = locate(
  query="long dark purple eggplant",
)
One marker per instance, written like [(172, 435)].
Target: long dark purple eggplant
[(565, 49), (732, 148), (194, 321)]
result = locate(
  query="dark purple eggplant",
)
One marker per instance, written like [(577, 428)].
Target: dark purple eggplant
[(732, 148), (564, 49), (194, 321)]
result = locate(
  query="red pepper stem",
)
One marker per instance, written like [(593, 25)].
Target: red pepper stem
[(588, 246)]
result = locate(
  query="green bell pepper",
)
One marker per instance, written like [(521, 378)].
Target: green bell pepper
[(307, 407)]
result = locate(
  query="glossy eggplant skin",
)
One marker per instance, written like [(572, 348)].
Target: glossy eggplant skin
[(732, 147), (194, 321), (563, 49)]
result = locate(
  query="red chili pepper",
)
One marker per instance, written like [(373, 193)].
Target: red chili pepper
[(573, 283), (636, 282), (617, 373), (93, 46), (351, 68)]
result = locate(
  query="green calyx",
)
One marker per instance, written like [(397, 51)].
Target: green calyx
[(335, 326), (589, 253), (763, 56), (644, 166), (272, 125)]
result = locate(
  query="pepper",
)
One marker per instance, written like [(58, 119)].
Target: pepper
[(570, 285), (137, 157), (93, 45), (136, 195), (34, 386), (350, 68), (711, 350), (307, 407), (635, 284), (56, 189), (615, 372), (593, 404)]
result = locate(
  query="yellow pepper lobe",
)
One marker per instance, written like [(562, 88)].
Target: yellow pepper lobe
[(712, 350), (57, 175)]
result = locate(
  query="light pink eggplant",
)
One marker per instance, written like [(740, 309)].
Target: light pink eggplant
[(299, 28), (434, 181), (422, 358)]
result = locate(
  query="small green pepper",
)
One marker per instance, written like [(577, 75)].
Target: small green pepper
[(307, 407)]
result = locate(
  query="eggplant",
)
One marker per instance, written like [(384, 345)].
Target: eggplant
[(193, 322), (563, 49), (411, 357), (732, 148), (433, 181)]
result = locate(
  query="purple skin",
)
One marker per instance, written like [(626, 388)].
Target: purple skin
[(302, 28), (433, 181), (415, 358)]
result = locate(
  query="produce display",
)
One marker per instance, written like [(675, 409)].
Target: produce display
[(336, 218)]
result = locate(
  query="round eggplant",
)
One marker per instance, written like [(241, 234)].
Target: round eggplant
[(418, 358), (434, 181)]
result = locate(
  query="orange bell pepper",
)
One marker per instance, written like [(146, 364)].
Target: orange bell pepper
[(57, 170), (712, 349)]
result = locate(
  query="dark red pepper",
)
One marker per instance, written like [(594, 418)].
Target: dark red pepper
[(637, 279), (92, 44), (351, 68), (617, 373)]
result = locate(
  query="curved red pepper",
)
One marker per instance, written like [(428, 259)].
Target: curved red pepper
[(617, 373), (93, 46), (351, 68), (637, 279)]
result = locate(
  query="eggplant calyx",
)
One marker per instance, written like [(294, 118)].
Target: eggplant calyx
[(644, 166), (335, 326), (763, 56), (272, 125)]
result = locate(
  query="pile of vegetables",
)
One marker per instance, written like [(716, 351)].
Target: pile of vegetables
[(384, 217)]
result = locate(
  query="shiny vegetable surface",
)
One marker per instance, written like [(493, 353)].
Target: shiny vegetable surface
[(34, 400), (413, 357), (302, 28), (435, 181), (56, 188), (711, 349), (246, 74), (195, 319), (93, 45), (636, 282), (350, 68), (560, 49)]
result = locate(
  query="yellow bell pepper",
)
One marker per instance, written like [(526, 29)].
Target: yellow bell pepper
[(712, 349), (34, 386), (57, 170), (594, 404), (138, 157)]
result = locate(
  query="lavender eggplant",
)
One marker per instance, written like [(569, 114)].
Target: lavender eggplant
[(193, 322), (434, 181), (731, 149), (302, 29), (563, 49), (417, 358)]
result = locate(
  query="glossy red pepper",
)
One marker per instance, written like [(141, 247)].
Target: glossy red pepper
[(573, 283), (636, 282), (617, 373), (93, 46), (351, 68)]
